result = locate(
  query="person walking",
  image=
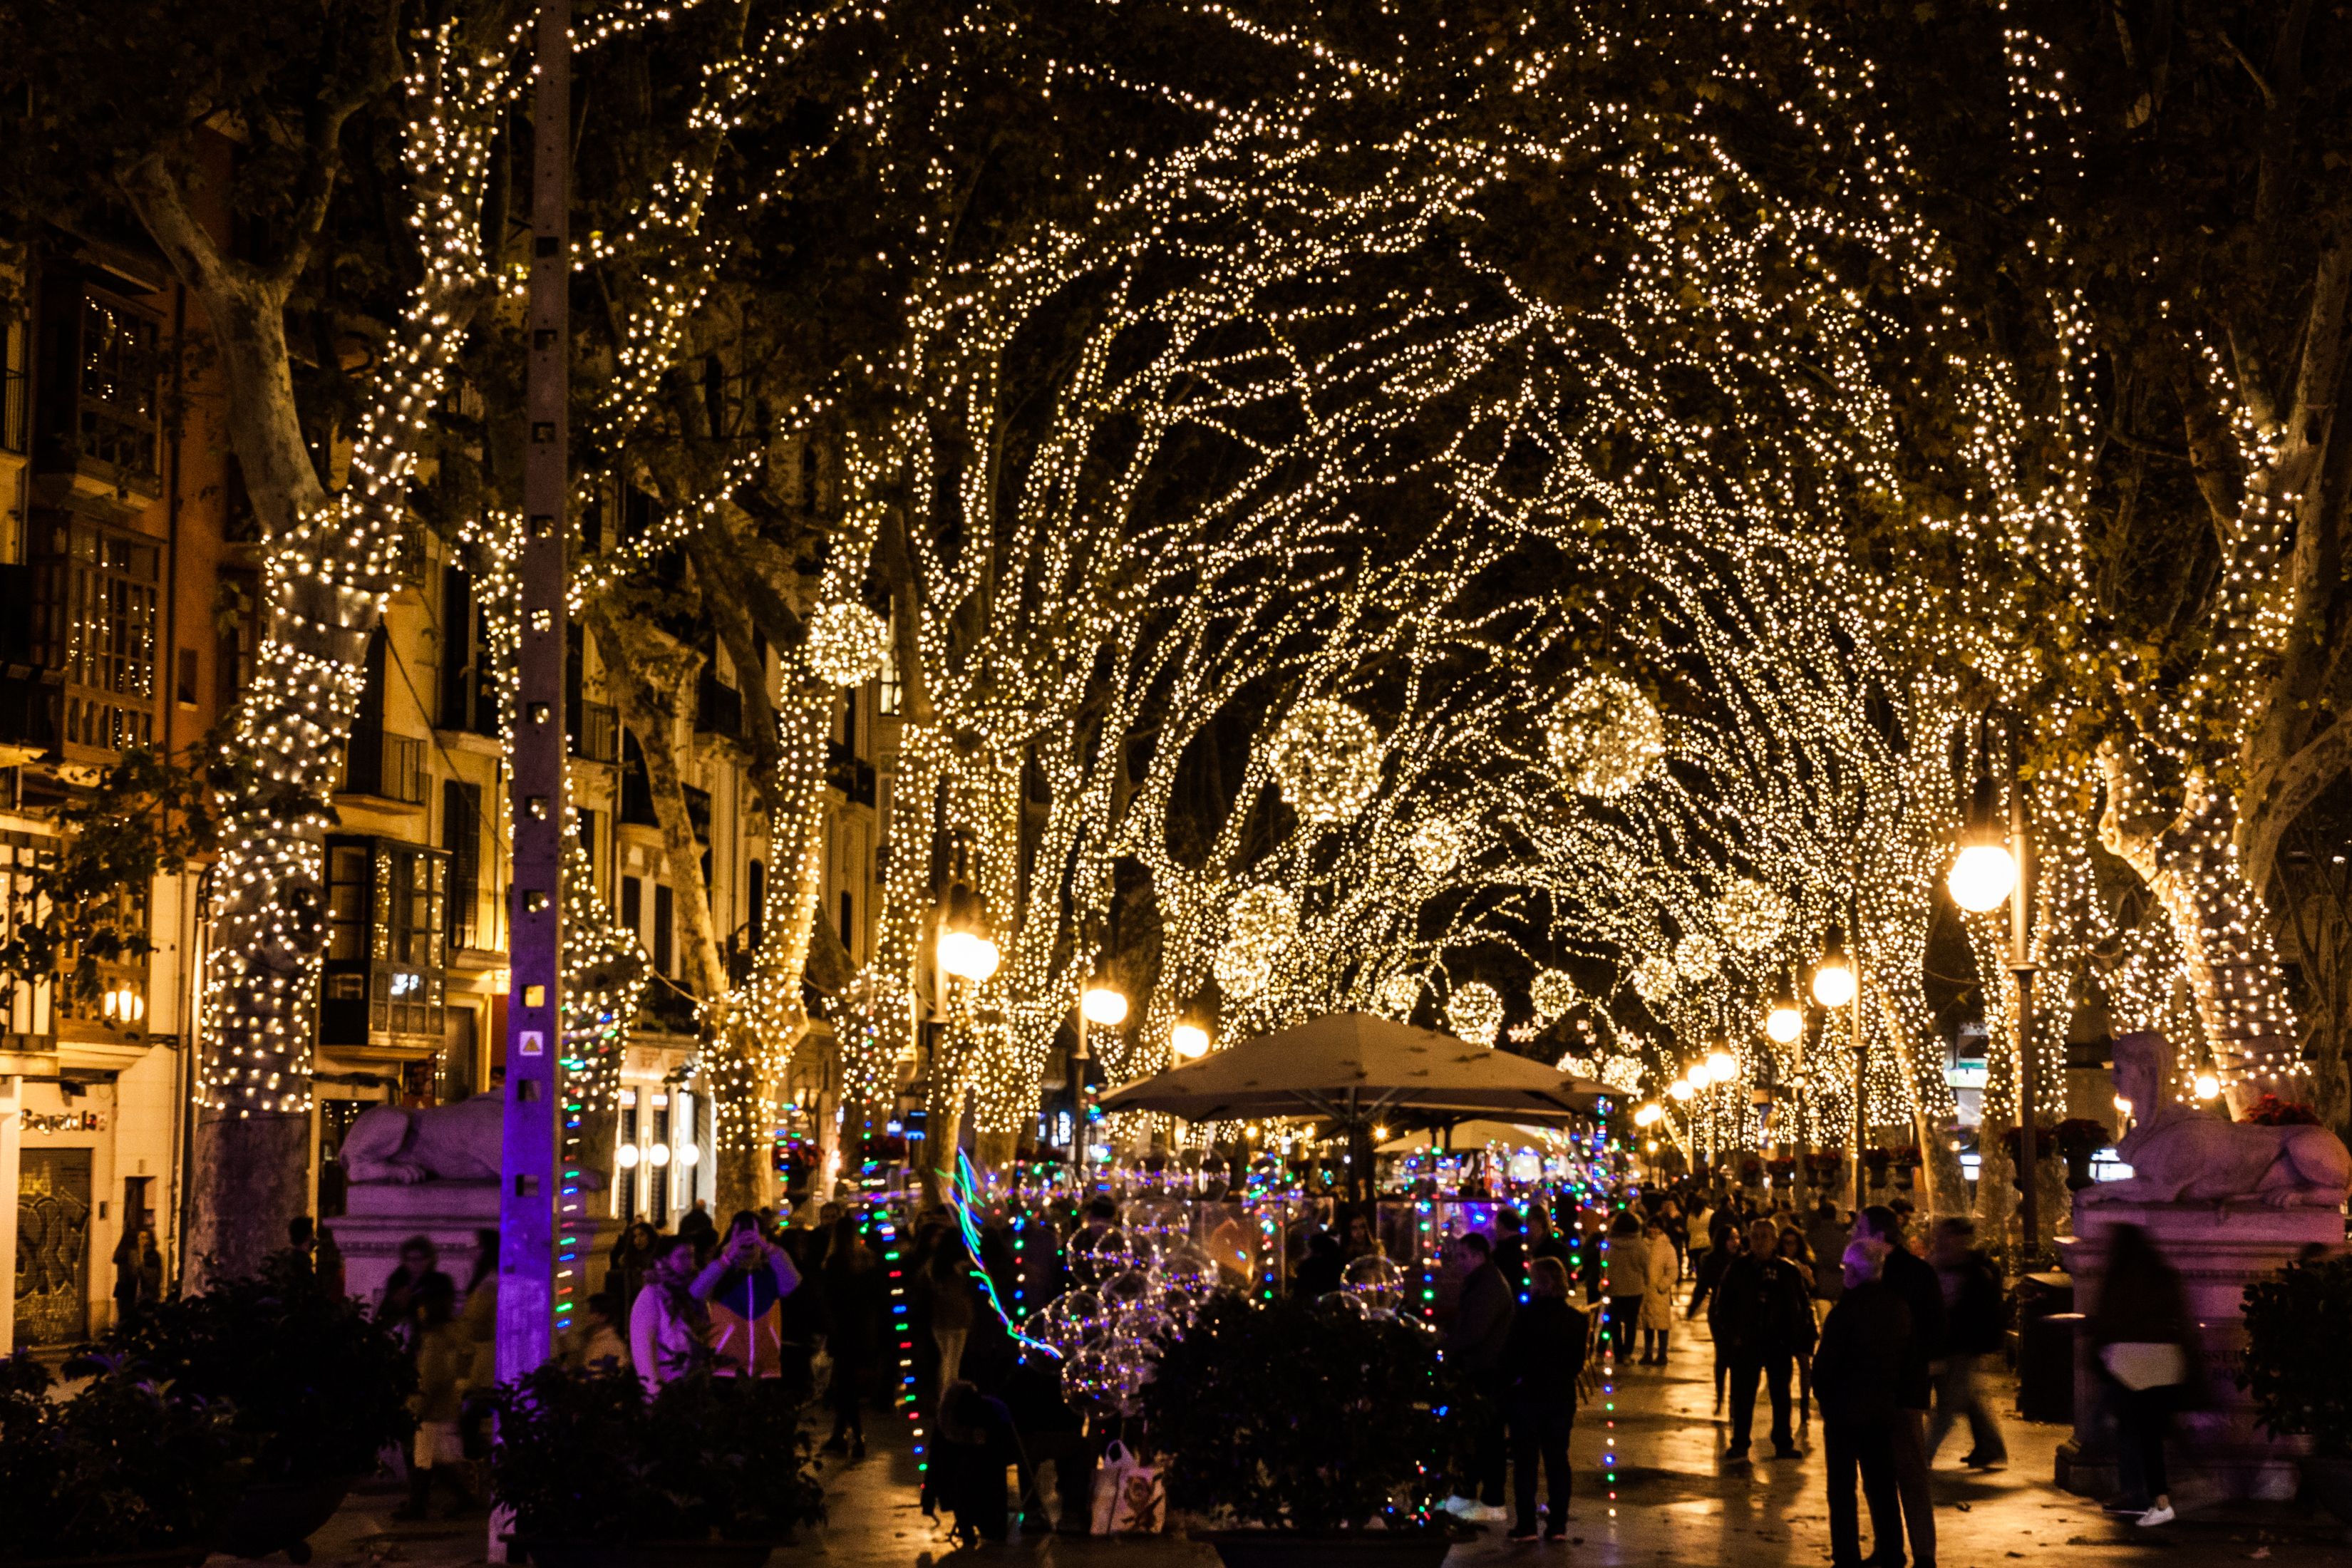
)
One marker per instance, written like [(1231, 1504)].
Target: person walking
[(853, 1295), (1701, 1228), (1914, 1280), (971, 1444), (1473, 1342), (1866, 1357), (1665, 1271), (631, 1260), (665, 1325), (1800, 1257), (742, 1289), (445, 1369), (1972, 1332), (1763, 1320), (138, 1276), (947, 1277), (420, 1264), (2148, 1357), (1627, 1262), (1826, 1238), (1720, 1256), (1541, 1362)]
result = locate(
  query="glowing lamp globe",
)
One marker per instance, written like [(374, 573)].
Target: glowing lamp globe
[(657, 1155), (1981, 878), (1681, 1089), (1188, 1041), (1102, 1005), (1783, 1024), (627, 1156), (967, 955), (687, 1154), (2208, 1086), (1833, 983), (1721, 1066), (1648, 1115)]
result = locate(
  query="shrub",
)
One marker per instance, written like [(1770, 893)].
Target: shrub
[(583, 1455), (318, 1390), (1295, 1418), (126, 1465), (2295, 1364)]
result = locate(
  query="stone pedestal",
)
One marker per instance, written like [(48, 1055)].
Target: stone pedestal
[(2218, 1452), (379, 1215)]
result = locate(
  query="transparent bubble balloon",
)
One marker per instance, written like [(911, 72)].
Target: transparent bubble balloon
[(1156, 1227), (1379, 1282), (1124, 1293), (1083, 1310), (1095, 1257), (1342, 1304), (1092, 1376), (1190, 1272)]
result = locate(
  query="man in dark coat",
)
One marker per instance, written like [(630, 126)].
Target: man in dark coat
[(1475, 1342), (1541, 1359), (1763, 1320), (1973, 1327), (1866, 1364), (1914, 1280)]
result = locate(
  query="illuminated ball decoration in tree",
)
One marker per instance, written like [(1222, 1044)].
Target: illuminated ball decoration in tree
[(847, 643), (1654, 978), (1399, 994), (1577, 1067), (1752, 915), (1436, 845), (1476, 1011), (1622, 1073), (1551, 993), (1261, 922), (1696, 958), (1605, 737), (1327, 757)]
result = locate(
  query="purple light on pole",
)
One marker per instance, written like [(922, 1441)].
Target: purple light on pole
[(535, 805)]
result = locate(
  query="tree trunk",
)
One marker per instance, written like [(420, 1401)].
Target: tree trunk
[(2191, 863), (254, 1171)]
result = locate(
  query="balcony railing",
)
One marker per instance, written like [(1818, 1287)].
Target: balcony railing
[(597, 734), (846, 773), (389, 767)]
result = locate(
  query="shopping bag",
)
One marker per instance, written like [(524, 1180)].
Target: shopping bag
[(1142, 1508), (1111, 1479)]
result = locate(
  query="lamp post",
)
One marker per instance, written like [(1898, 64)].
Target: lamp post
[(1837, 982), (1985, 873), (1784, 1024), (1098, 1004)]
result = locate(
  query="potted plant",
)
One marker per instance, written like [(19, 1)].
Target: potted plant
[(1323, 1434), (2078, 1138), (315, 1389), (128, 1471), (2270, 1111), (710, 1473), (1876, 1161), (2296, 1370)]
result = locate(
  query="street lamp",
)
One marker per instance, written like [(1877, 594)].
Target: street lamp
[(1681, 1089), (1785, 1022), (1982, 876), (1100, 1005), (967, 955), (1833, 981), (1188, 1041), (1722, 1067)]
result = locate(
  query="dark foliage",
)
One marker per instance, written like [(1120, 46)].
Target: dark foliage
[(583, 1455), (128, 1463), (1293, 1417), (317, 1390), (2294, 1363)]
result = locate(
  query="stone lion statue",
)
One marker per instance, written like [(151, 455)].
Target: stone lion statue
[(458, 1143), (2181, 1154)]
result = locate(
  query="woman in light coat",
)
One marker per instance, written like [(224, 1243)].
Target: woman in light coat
[(1658, 1301)]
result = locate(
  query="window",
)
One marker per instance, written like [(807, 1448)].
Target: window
[(95, 622), (849, 721), (848, 922), (665, 908), (756, 886), (627, 1211), (461, 835), (658, 1201), (889, 696), (387, 907), (15, 401), (116, 419), (633, 905), (183, 680)]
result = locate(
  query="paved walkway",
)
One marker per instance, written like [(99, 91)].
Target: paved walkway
[(1673, 1505)]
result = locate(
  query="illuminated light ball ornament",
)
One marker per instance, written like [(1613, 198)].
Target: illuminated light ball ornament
[(1578, 1067), (1436, 847), (1753, 915), (1605, 737), (1696, 957), (1476, 1011), (1981, 878), (1653, 977), (1263, 922), (1327, 757), (1551, 993), (1622, 1073), (1399, 994), (847, 643)]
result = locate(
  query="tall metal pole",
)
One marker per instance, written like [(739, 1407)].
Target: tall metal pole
[(2021, 966), (1860, 1113), (534, 1020), (1078, 1060)]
